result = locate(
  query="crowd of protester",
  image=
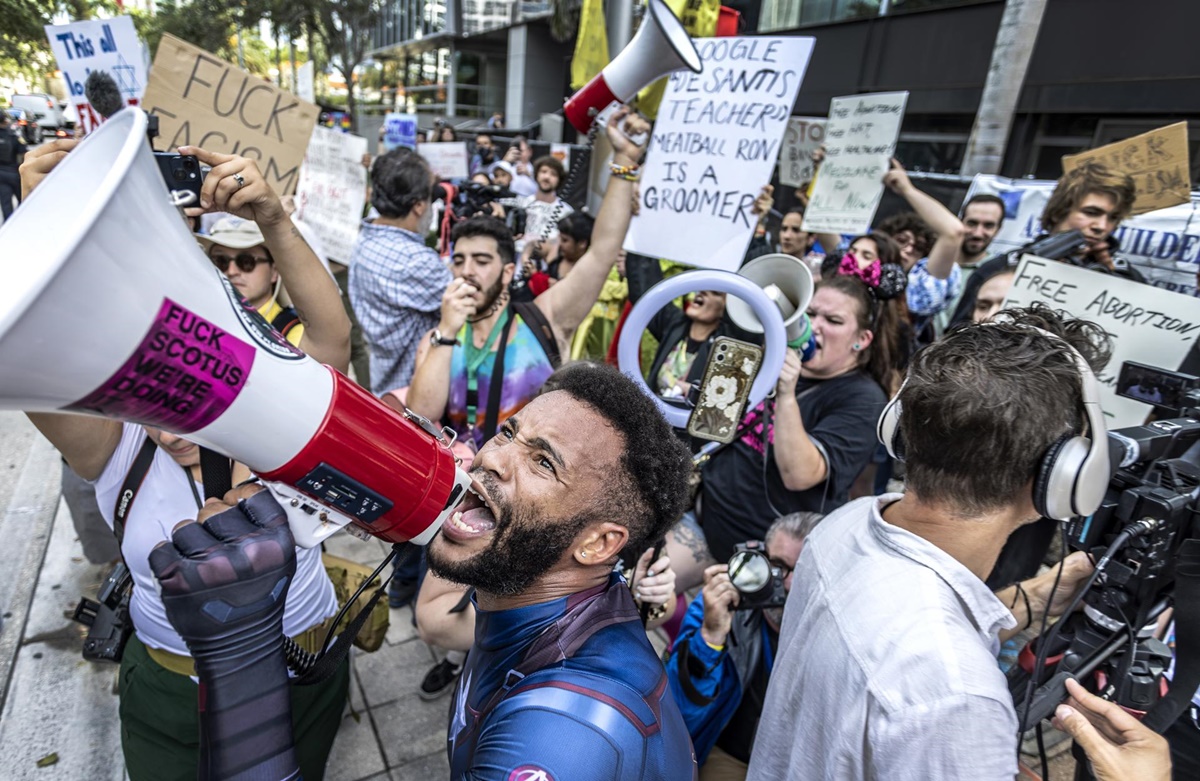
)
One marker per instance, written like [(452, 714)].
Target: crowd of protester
[(883, 662)]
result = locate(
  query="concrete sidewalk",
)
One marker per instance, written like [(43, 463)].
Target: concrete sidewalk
[(62, 710)]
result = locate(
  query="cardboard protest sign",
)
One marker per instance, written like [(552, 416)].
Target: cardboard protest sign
[(1157, 161), (203, 101), (1163, 245), (99, 45), (332, 190), (860, 140), (714, 147), (399, 130), (447, 159), (804, 136), (1147, 325)]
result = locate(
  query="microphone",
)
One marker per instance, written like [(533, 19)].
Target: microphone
[(102, 92)]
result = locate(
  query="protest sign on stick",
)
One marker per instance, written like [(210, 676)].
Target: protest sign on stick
[(860, 139), (1147, 324), (713, 149), (804, 136), (447, 159), (1157, 161), (399, 130), (332, 190), (108, 45), (203, 101)]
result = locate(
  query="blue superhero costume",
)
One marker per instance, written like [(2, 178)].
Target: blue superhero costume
[(568, 689)]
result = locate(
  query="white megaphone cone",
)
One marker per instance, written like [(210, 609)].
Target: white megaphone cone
[(788, 282), (660, 46), (124, 317)]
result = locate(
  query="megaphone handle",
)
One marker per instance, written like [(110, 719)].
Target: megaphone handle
[(216, 472)]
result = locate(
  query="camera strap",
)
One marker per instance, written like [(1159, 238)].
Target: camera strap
[(131, 486)]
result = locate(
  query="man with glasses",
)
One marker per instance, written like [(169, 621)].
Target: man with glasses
[(239, 251), (721, 663)]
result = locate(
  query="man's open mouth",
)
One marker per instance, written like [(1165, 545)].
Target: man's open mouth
[(474, 517)]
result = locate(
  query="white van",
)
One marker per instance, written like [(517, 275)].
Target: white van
[(46, 111)]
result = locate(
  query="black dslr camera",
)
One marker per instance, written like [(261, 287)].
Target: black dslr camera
[(107, 620), (758, 581)]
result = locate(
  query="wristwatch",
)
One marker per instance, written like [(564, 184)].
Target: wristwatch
[(436, 339)]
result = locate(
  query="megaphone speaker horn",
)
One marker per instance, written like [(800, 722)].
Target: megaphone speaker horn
[(116, 311), (788, 282), (661, 46)]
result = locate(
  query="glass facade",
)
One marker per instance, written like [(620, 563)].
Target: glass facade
[(789, 14)]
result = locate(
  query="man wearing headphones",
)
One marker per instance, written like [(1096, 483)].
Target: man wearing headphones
[(887, 657)]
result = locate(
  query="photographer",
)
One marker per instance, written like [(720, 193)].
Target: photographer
[(721, 663), (890, 634), (485, 154)]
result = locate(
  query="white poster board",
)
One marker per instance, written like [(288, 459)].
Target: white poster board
[(399, 130), (448, 159), (101, 44), (1147, 324), (860, 140), (1164, 245), (713, 149), (332, 190), (304, 83), (804, 135)]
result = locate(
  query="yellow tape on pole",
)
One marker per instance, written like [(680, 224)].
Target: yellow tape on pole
[(591, 44)]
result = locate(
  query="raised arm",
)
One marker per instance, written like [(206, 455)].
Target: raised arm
[(947, 250), (314, 294), (568, 302)]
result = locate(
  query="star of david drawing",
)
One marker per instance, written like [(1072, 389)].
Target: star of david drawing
[(125, 77)]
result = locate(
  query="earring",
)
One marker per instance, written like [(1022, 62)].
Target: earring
[(857, 347), (583, 554)]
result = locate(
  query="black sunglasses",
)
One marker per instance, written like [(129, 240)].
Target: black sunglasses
[(245, 262)]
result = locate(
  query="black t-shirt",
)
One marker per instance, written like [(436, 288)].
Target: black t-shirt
[(839, 415), (737, 738)]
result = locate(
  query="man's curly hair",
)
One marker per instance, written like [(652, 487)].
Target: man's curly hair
[(652, 493), (923, 235), (981, 407)]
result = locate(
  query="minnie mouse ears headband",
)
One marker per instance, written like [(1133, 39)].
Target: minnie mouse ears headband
[(885, 280)]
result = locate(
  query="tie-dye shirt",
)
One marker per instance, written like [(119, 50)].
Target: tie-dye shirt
[(526, 367)]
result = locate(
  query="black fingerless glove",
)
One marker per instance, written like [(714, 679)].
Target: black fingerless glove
[(223, 584)]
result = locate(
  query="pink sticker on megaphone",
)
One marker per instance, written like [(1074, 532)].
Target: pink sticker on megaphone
[(183, 376)]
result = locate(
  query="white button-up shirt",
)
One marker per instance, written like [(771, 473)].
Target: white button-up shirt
[(887, 663)]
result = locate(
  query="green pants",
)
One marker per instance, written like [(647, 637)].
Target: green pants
[(160, 727)]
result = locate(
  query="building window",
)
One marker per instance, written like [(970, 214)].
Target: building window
[(787, 14)]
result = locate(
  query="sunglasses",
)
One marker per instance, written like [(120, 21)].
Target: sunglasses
[(245, 262)]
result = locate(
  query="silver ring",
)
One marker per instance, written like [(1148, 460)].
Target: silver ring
[(240, 180)]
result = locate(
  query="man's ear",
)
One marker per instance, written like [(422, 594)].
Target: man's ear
[(600, 544), (507, 274)]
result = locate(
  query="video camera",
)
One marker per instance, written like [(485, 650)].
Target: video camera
[(471, 198), (758, 581), (1145, 542)]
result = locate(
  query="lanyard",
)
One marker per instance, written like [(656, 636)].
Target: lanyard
[(475, 356)]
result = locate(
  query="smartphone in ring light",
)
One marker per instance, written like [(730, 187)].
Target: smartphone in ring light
[(725, 389)]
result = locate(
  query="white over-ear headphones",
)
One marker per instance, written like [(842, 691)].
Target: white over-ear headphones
[(1074, 471)]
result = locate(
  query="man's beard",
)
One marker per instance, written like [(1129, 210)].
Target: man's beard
[(547, 190), (490, 297), (522, 550)]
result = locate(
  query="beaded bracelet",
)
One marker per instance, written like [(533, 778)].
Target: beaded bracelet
[(627, 172)]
